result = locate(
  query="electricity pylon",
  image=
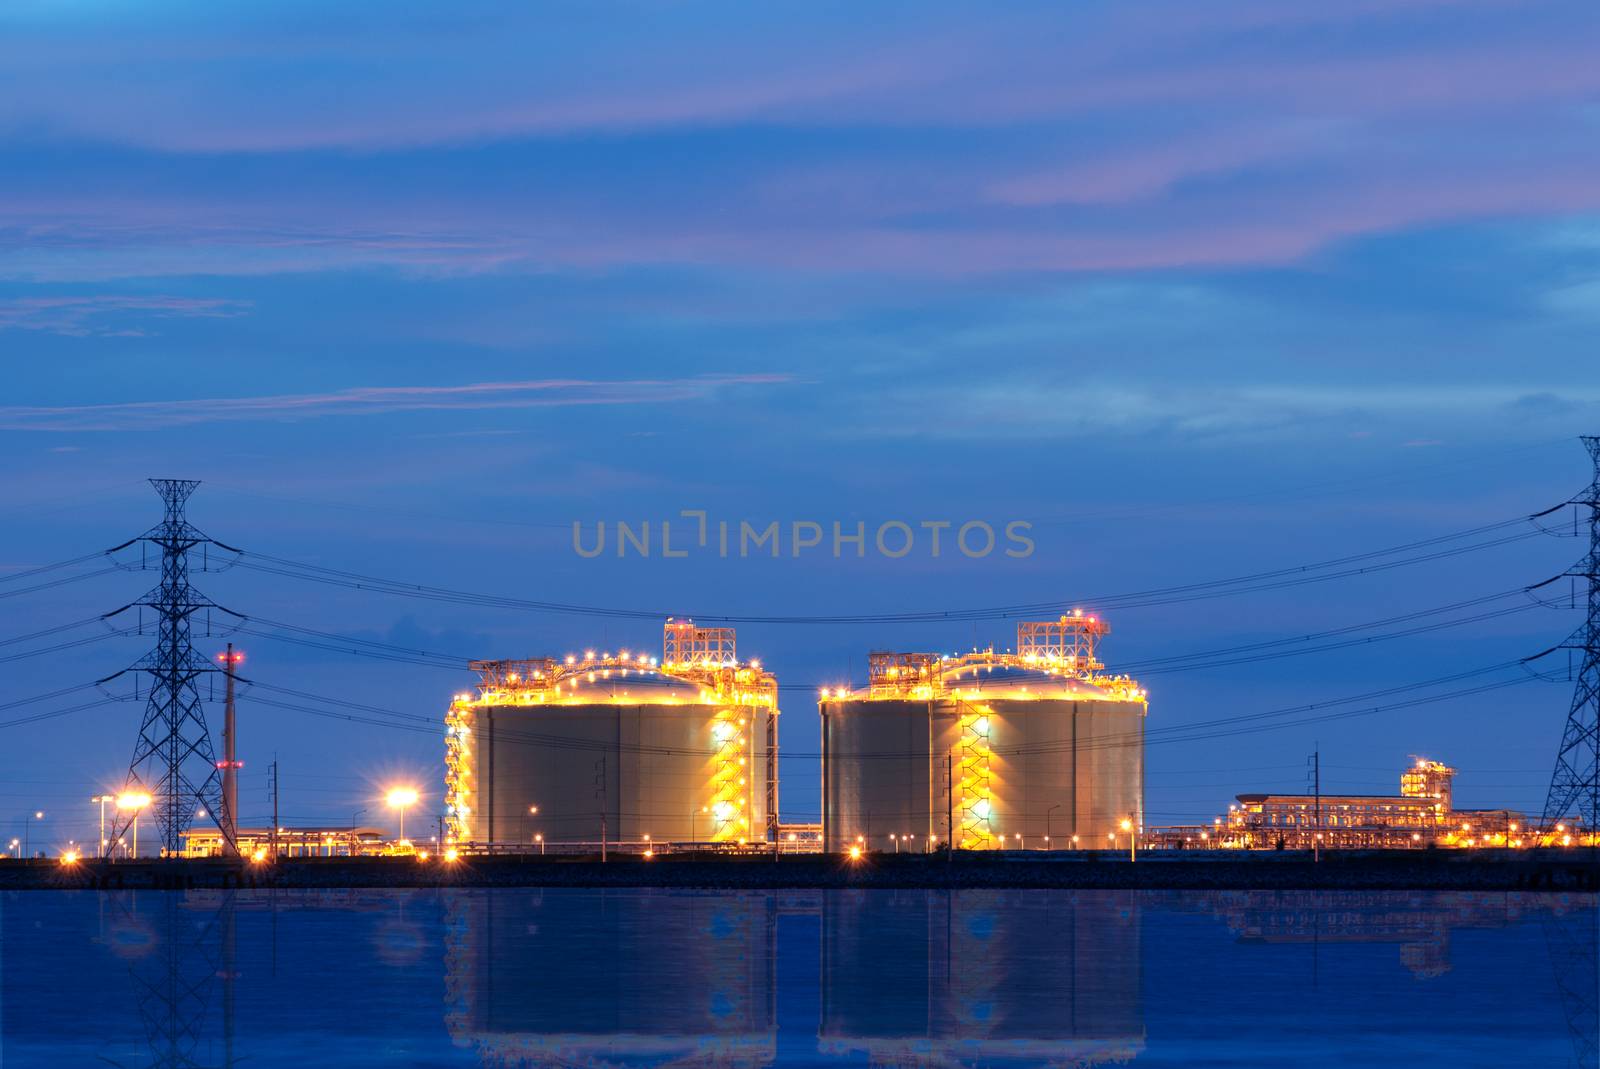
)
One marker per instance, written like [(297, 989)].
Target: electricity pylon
[(1575, 784), (173, 760)]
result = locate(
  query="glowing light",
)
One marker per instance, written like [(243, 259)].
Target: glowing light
[(133, 800), (401, 797), (259, 856), (451, 855), (69, 857), (855, 853), (422, 855)]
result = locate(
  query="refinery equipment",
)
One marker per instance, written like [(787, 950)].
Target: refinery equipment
[(1422, 815), (1033, 749), (609, 748)]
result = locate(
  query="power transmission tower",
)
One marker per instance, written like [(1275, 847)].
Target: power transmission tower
[(173, 760), (1575, 785)]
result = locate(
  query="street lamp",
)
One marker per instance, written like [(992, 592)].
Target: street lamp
[(896, 842), (1047, 813), (102, 799), (27, 826), (540, 840), (402, 798), (1133, 840), (134, 800)]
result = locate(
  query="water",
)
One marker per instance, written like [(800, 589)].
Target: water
[(633, 978)]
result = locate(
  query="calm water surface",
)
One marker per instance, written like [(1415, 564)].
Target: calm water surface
[(887, 978)]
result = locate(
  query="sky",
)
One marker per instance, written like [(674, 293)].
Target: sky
[(1193, 291)]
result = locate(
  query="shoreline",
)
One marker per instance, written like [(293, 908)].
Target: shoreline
[(1574, 870)]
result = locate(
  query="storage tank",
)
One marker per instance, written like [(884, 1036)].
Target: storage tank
[(616, 747), (987, 747)]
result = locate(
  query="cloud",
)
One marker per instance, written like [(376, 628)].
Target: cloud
[(1029, 140), (499, 73), (1580, 300), (371, 400), (105, 315), (1037, 410), (1152, 169)]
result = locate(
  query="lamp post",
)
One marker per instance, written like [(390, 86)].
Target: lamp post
[(402, 798), (896, 842), (134, 800), (533, 810), (1133, 840), (539, 838), (1047, 813), (102, 799), (27, 827)]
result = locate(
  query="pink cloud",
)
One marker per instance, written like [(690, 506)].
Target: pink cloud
[(1117, 177)]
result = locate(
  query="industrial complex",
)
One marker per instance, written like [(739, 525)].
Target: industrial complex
[(1032, 748), (989, 749)]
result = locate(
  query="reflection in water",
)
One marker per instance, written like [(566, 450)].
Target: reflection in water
[(1574, 939), (636, 978), (1420, 922), (173, 968), (612, 978), (981, 977)]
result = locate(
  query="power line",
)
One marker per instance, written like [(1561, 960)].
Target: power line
[(58, 582), (53, 713), (19, 702), (1206, 729), (47, 632), (44, 568), (1279, 648), (1258, 581), (66, 645)]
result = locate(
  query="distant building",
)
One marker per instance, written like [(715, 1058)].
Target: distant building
[(800, 838), (289, 842), (1421, 814)]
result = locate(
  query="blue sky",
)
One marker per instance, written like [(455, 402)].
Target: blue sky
[(1195, 290)]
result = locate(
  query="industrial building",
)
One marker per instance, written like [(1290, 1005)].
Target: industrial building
[(1036, 748), (348, 841), (1422, 814), (607, 748)]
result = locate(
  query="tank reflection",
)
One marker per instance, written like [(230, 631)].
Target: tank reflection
[(981, 977), (663, 977)]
